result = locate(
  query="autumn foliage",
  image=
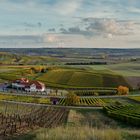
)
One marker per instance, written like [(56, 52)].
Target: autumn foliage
[(37, 70), (72, 99), (122, 90)]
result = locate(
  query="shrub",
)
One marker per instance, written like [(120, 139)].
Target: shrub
[(72, 99), (122, 90)]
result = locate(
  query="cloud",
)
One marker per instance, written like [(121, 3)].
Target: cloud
[(109, 26), (76, 31), (95, 20), (63, 30), (31, 25), (105, 27), (50, 38), (51, 30)]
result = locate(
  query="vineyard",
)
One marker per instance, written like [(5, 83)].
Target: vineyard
[(101, 91), (18, 119), (80, 78), (86, 102), (137, 99), (129, 114)]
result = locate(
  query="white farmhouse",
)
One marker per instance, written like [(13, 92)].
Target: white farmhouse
[(30, 86), (35, 86)]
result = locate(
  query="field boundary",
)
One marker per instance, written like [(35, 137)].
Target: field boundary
[(47, 105), (43, 96)]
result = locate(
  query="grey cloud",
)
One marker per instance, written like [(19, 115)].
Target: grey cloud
[(22, 39), (111, 26), (51, 30), (101, 27), (63, 30), (76, 30)]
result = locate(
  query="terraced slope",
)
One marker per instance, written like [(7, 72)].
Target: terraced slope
[(129, 114)]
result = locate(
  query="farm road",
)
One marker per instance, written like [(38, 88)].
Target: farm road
[(45, 96), (57, 106)]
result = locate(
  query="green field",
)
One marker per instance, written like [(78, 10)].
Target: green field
[(9, 73), (65, 77), (137, 98), (105, 76), (8, 58), (26, 99), (125, 69)]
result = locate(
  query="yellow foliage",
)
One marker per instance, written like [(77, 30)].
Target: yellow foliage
[(122, 90), (72, 99)]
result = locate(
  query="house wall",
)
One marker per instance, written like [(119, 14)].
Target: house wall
[(34, 89), (15, 85)]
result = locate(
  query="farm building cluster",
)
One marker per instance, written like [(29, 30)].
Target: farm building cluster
[(24, 84), (29, 86)]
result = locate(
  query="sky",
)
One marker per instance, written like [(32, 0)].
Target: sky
[(70, 23)]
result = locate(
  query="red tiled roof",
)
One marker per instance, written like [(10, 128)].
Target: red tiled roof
[(38, 84), (22, 80), (27, 83)]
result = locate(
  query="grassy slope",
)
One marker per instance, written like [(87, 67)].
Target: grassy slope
[(13, 73), (7, 58), (66, 77), (10, 73), (81, 133), (125, 69), (82, 78), (130, 71)]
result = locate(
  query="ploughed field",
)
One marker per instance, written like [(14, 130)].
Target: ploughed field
[(19, 119)]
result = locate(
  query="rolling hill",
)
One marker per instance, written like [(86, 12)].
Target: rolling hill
[(16, 59), (82, 78)]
